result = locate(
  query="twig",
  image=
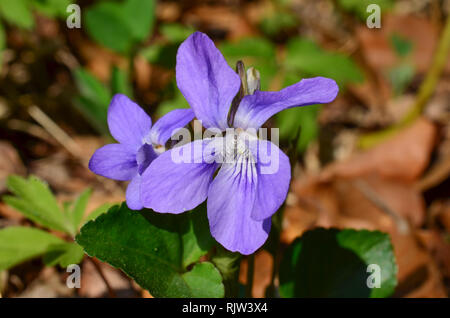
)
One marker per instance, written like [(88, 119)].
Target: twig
[(54, 130), (372, 196), (426, 90), (277, 221), (250, 274), (436, 175), (31, 129), (97, 267)]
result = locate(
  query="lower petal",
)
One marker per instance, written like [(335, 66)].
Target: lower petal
[(230, 203), (274, 176), (114, 161), (133, 194), (170, 186)]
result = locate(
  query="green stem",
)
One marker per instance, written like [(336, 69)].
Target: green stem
[(131, 70), (250, 274), (277, 222), (426, 90)]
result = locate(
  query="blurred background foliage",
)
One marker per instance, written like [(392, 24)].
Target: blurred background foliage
[(56, 84), (277, 44)]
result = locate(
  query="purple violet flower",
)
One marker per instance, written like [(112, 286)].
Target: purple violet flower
[(139, 144), (241, 197)]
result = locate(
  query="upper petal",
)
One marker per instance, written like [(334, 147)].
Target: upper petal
[(128, 123), (274, 176), (255, 109), (230, 203), (169, 124), (114, 161), (170, 186), (205, 79)]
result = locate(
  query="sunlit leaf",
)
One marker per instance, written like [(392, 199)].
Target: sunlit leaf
[(79, 208), (17, 12), (34, 199), (19, 244), (63, 254)]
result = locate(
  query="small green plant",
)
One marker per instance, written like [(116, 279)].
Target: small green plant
[(33, 198)]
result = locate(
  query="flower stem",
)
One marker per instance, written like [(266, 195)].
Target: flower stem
[(228, 264), (250, 274), (277, 226), (97, 267)]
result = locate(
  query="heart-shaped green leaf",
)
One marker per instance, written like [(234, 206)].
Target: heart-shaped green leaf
[(334, 263), (155, 249)]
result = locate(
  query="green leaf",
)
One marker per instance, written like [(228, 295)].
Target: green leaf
[(52, 8), (309, 59), (176, 32), (251, 47), (94, 100), (91, 88), (63, 254), (359, 7), (19, 244), (106, 24), (17, 12), (259, 53), (177, 101), (277, 22), (35, 200), (400, 77), (79, 208), (2, 43), (205, 281), (196, 237), (140, 17), (120, 83), (334, 263), (290, 120), (153, 249), (98, 211), (401, 45)]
